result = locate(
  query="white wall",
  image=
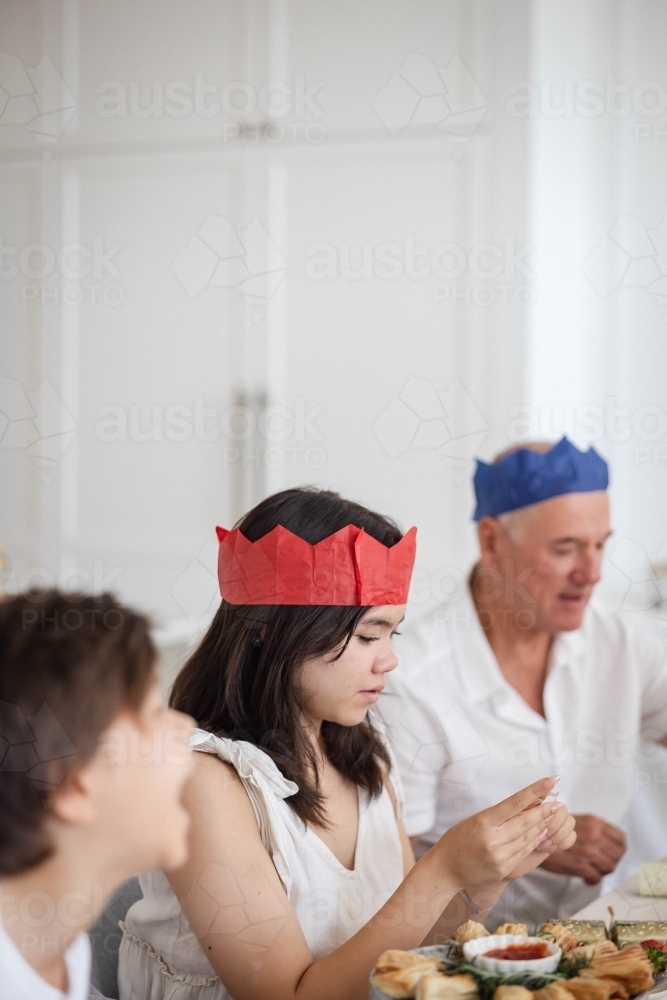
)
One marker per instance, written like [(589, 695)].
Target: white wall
[(570, 335), (337, 177)]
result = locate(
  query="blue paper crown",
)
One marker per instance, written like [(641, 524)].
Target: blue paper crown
[(526, 477)]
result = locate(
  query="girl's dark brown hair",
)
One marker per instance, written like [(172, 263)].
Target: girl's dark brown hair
[(240, 681)]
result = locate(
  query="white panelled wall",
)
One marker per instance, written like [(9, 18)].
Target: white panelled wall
[(248, 244), (361, 352)]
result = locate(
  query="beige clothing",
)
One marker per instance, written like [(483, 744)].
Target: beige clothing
[(160, 957)]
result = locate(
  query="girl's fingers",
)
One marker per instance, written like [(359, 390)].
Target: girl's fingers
[(528, 820), (529, 846), (525, 824), (524, 799), (568, 843), (559, 819), (562, 826), (564, 841)]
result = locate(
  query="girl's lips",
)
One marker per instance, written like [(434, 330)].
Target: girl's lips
[(371, 696)]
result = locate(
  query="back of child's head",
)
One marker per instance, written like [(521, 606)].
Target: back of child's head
[(69, 665)]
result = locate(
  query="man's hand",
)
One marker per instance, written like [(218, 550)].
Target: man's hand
[(598, 849)]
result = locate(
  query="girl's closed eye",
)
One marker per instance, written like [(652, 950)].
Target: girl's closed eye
[(374, 638)]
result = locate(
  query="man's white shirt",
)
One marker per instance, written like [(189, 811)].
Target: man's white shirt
[(465, 739)]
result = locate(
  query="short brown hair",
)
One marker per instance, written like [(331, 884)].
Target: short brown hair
[(69, 665)]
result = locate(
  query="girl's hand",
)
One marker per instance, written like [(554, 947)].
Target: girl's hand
[(561, 836), (489, 846)]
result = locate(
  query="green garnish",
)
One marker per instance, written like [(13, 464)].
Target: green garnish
[(489, 982), (569, 967), (657, 958)]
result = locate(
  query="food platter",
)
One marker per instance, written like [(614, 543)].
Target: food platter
[(446, 953), (587, 964)]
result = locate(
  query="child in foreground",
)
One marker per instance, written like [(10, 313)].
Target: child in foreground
[(92, 766)]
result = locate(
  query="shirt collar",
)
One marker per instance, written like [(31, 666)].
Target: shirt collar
[(569, 647), (481, 676)]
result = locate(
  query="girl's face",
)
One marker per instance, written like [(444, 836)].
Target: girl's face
[(340, 687)]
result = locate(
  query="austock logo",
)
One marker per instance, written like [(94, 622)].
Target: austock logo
[(221, 256), (633, 576), (36, 97), (56, 275), (247, 909), (421, 94), (448, 423), (31, 745), (630, 256), (36, 422), (196, 589), (459, 756)]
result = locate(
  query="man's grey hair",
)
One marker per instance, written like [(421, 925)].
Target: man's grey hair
[(516, 522)]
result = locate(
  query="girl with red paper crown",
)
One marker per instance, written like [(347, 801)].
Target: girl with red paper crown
[(300, 872)]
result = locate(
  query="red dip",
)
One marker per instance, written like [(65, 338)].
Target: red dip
[(520, 952)]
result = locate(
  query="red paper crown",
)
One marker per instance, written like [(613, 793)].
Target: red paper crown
[(349, 567)]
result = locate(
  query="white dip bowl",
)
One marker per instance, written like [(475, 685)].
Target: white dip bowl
[(473, 951)]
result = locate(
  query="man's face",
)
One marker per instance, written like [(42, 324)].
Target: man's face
[(547, 560)]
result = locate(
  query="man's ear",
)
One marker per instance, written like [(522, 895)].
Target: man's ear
[(73, 801), (488, 529)]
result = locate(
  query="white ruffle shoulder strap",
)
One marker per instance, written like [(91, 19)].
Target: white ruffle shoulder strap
[(264, 784)]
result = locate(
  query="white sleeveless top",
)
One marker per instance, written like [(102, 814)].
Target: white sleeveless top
[(160, 956)]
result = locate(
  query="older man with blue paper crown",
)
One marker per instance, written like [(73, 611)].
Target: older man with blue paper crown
[(524, 675)]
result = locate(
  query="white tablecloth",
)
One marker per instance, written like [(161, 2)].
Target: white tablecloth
[(626, 903)]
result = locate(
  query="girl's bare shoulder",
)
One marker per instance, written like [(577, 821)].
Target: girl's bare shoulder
[(214, 780)]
